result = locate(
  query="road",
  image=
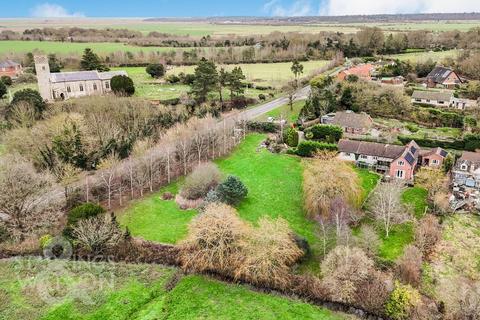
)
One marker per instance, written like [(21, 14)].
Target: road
[(257, 111)]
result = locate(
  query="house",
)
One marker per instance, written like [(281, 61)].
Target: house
[(65, 85), (432, 158), (434, 98), (351, 122), (443, 77), (466, 174), (393, 80), (392, 160), (10, 68), (363, 71)]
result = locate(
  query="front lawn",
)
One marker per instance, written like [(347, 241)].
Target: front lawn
[(284, 112)]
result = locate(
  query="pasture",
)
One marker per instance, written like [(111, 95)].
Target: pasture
[(32, 289), (425, 55)]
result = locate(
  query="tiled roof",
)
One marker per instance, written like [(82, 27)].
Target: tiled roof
[(432, 95), (371, 148), (429, 152), (352, 120), (362, 70), (8, 63), (83, 76), (439, 74), (470, 156)]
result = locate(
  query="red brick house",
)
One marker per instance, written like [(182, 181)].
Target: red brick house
[(10, 68), (443, 77), (363, 71), (393, 161)]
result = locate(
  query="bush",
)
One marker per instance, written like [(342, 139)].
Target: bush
[(31, 97), (262, 97), (6, 80), (84, 211), (173, 78), (291, 137), (402, 301), (97, 234), (214, 241), (45, 241), (26, 78), (232, 191), (325, 132), (427, 234), (268, 127), (122, 85), (308, 148), (412, 128), (205, 177), (4, 235), (155, 70), (3, 89), (409, 266)]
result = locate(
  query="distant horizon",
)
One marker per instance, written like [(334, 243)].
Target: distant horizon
[(218, 8)]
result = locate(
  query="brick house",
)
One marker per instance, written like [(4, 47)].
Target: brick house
[(10, 68), (391, 160), (363, 71), (443, 77), (350, 122)]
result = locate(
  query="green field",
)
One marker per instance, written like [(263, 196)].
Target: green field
[(36, 289), (436, 56), (102, 48), (268, 74), (284, 112)]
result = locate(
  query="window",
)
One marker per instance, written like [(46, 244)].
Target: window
[(43, 68), (69, 89), (375, 158), (418, 100), (463, 167), (401, 163), (428, 100), (441, 102), (435, 161), (95, 87), (107, 84), (399, 174), (363, 157), (81, 87)]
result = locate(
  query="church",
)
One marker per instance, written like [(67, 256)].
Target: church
[(66, 85)]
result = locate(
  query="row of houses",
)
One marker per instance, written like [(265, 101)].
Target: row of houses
[(393, 161)]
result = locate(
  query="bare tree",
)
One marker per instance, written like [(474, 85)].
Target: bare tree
[(97, 234), (108, 169), (386, 204)]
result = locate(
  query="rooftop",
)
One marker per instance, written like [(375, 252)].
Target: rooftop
[(352, 120), (371, 148), (432, 95), (8, 63), (83, 76), (439, 74)]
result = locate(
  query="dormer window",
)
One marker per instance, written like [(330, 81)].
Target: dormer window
[(464, 167)]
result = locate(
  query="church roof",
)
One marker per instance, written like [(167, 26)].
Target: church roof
[(83, 76)]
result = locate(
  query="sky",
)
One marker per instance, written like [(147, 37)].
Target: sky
[(208, 8)]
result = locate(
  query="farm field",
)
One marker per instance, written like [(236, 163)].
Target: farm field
[(34, 289), (10, 47), (199, 28), (423, 56)]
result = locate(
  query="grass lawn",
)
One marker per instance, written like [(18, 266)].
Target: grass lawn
[(368, 180), (416, 199), (34, 289), (285, 111), (399, 237), (266, 74)]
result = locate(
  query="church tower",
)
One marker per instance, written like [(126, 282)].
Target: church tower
[(43, 77)]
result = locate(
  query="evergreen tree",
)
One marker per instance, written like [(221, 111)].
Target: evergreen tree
[(3, 89), (68, 146), (223, 81), (206, 79), (297, 69), (32, 97), (91, 61), (122, 85), (236, 85), (54, 64), (156, 70)]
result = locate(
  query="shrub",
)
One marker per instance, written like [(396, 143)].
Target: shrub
[(3, 89), (232, 191), (368, 240), (269, 251), (3, 234), (6, 80), (262, 97), (97, 234), (308, 148), (291, 137), (31, 97), (26, 78), (325, 180), (326, 132), (427, 234), (214, 241), (412, 128), (409, 266), (204, 178), (84, 211), (45, 241), (268, 127), (401, 302), (122, 85), (172, 79), (167, 196), (155, 70)]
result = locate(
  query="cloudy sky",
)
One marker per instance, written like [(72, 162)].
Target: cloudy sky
[(191, 8)]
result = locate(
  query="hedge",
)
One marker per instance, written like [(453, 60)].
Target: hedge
[(308, 148), (325, 132), (470, 142), (269, 127)]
